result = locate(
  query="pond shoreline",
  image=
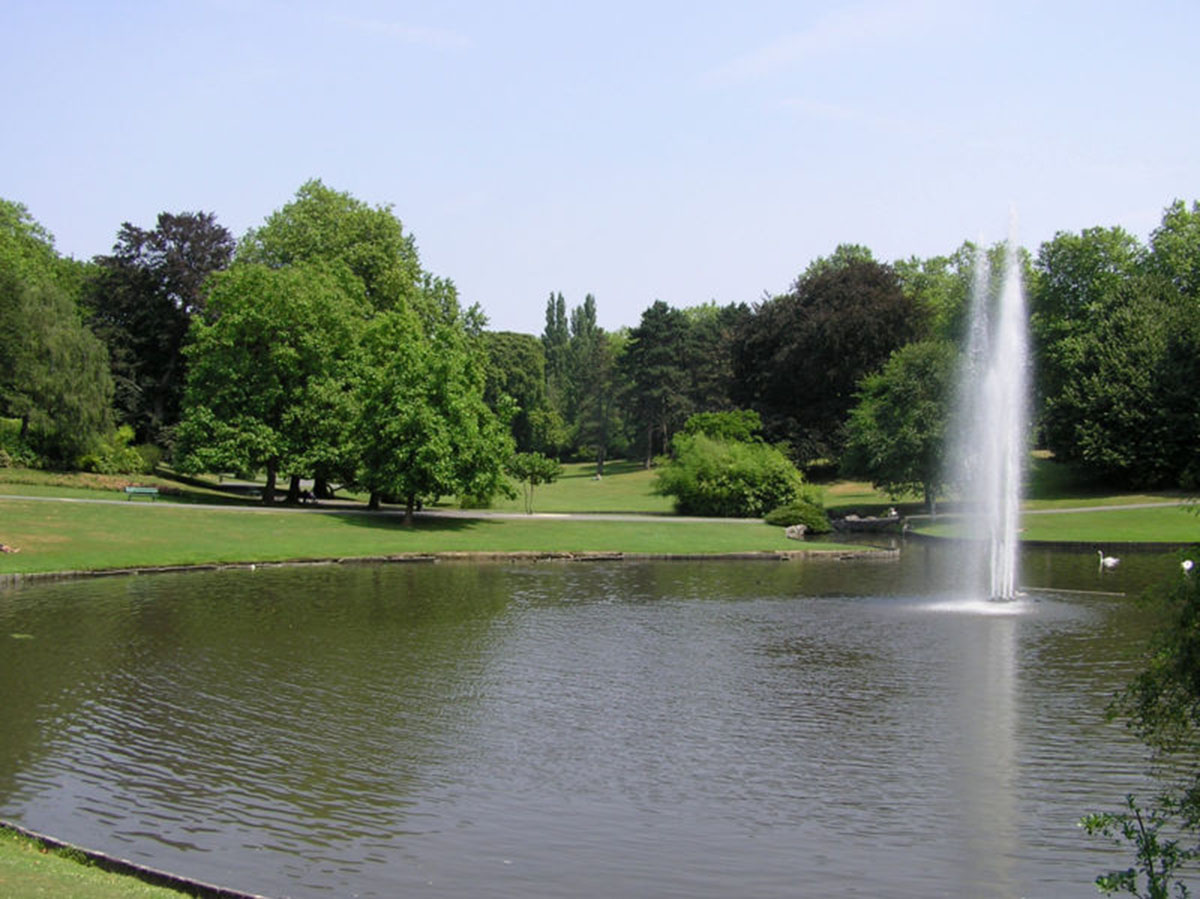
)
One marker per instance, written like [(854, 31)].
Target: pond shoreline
[(464, 556)]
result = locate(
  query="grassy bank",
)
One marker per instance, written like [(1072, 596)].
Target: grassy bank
[(28, 869), (72, 535)]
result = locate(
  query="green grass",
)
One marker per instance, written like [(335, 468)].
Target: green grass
[(28, 869), (1174, 524), (625, 487), (64, 536)]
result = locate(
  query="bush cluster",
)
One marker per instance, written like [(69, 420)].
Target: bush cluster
[(727, 478), (801, 511)]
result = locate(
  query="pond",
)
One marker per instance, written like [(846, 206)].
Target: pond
[(587, 729)]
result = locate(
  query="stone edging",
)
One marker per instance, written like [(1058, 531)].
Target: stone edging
[(466, 556), (132, 869)]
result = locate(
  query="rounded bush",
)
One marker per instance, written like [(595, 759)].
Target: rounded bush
[(800, 512)]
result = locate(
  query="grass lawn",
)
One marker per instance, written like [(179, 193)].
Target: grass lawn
[(27, 870), (1172, 524), (625, 487), (72, 535)]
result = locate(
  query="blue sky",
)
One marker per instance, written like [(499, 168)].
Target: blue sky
[(682, 151)]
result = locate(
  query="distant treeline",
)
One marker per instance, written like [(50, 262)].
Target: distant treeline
[(319, 347)]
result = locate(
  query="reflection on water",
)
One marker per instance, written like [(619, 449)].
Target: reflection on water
[(667, 729)]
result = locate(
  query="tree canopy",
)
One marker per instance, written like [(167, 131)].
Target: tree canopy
[(799, 357)]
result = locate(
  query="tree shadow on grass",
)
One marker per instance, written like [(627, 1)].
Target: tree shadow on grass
[(423, 524)]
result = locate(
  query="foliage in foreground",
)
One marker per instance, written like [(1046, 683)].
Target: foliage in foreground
[(1162, 706)]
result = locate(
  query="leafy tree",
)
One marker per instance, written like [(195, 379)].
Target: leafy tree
[(53, 371), (897, 432), (737, 424), (1117, 346), (1175, 248), (269, 366), (711, 332), (533, 470), (325, 225), (141, 301), (655, 363), (799, 357), (424, 429), (1162, 707), (941, 285), (516, 368), (598, 418)]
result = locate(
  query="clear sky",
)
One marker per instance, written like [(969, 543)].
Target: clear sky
[(682, 151)]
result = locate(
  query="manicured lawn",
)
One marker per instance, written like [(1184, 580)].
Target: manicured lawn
[(72, 535), (27, 870), (1173, 524), (625, 487)]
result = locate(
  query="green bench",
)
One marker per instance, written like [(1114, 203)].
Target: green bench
[(131, 492)]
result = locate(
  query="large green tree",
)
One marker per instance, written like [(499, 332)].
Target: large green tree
[(271, 362), (53, 371), (516, 370), (141, 299), (1116, 331), (424, 429), (326, 225), (799, 357), (897, 431), (655, 363)]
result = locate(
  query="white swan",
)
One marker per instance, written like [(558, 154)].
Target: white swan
[(1108, 562), (1187, 565)]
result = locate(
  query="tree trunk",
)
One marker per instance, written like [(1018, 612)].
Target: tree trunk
[(321, 488), (293, 496), (268, 494), (600, 461), (373, 502), (649, 446), (930, 502), (409, 506)]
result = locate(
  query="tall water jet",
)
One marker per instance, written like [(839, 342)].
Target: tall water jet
[(993, 423)]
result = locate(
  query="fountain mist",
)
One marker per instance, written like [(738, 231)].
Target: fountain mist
[(993, 423)]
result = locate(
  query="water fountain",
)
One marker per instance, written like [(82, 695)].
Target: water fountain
[(993, 423)]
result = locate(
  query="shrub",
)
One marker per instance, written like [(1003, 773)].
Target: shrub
[(114, 455), (800, 511), (16, 452), (727, 478), (151, 456)]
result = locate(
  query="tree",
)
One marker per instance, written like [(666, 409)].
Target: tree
[(326, 225), (53, 371), (270, 363), (711, 332), (1175, 248), (655, 363), (555, 339), (424, 429), (533, 470), (799, 357), (516, 368), (1117, 346), (1161, 705), (598, 418), (141, 300), (897, 431)]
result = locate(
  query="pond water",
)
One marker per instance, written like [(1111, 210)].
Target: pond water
[(590, 729)]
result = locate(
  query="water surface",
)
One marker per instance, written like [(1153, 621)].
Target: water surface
[(653, 729)]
